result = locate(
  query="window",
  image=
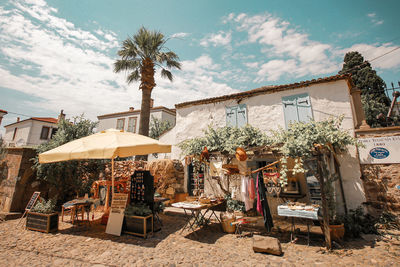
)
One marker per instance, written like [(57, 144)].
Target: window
[(120, 124), (297, 108), (53, 132), (132, 124), (15, 133), (45, 133), (236, 116)]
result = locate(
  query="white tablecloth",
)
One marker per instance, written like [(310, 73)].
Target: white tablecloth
[(284, 210)]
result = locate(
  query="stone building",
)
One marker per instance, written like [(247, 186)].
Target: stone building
[(271, 107), (380, 166)]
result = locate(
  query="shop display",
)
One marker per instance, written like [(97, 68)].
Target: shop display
[(142, 188)]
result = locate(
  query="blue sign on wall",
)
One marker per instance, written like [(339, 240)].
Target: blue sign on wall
[(379, 153)]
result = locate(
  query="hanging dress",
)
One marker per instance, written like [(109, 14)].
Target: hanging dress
[(262, 203)]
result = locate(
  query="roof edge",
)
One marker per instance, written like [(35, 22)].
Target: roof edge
[(264, 90), (110, 115)]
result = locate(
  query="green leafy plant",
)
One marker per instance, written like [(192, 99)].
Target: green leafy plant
[(138, 210), (158, 127), (233, 204), (69, 178), (43, 206), (3, 164), (225, 140), (357, 222)]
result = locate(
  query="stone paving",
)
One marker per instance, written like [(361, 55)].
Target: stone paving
[(83, 245)]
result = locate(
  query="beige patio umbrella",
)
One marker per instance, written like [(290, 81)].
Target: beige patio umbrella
[(107, 144)]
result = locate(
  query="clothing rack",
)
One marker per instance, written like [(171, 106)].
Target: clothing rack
[(265, 167)]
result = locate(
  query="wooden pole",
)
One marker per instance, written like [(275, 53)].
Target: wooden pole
[(325, 209), (112, 177)]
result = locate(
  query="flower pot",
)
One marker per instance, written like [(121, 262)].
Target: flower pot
[(336, 232), (138, 225), (42, 222)]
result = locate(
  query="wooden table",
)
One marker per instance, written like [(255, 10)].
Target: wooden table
[(75, 205), (284, 210), (195, 215)]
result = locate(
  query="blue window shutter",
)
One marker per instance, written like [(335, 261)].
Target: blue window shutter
[(304, 108), (231, 116), (241, 115), (289, 104)]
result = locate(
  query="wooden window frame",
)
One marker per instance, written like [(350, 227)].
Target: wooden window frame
[(134, 127), (123, 124), (41, 133)]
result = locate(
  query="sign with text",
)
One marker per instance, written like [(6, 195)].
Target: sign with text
[(116, 216), (380, 150)]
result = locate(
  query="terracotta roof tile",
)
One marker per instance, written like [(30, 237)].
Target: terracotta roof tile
[(43, 119), (51, 120), (263, 90)]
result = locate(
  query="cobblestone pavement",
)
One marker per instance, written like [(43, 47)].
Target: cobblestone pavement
[(83, 245)]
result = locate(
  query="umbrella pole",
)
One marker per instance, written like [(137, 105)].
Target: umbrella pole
[(112, 177)]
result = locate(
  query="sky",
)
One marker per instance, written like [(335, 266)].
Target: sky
[(59, 54)]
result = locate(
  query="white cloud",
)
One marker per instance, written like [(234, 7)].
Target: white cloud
[(179, 35), (370, 52), (374, 19), (50, 58), (290, 51), (252, 65), (218, 39)]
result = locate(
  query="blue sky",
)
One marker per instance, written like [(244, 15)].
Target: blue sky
[(58, 54)]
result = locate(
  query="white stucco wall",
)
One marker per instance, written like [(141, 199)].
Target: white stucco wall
[(111, 122), (266, 113), (36, 130), (28, 133), (22, 135)]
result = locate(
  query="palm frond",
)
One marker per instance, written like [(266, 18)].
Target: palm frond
[(133, 76), (166, 74), (122, 64)]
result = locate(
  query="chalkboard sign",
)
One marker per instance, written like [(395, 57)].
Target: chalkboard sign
[(32, 201)]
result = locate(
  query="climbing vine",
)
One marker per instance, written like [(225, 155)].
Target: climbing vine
[(225, 140)]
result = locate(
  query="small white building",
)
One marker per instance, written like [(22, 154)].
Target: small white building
[(129, 120), (30, 132), (2, 113), (271, 107)]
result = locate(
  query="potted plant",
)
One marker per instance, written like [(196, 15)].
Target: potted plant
[(138, 220), (336, 226), (42, 217), (234, 208)]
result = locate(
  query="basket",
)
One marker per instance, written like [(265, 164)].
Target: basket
[(227, 227)]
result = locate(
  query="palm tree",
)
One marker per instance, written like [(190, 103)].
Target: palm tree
[(141, 54)]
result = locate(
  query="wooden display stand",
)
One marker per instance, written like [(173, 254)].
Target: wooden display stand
[(42, 222), (139, 225)]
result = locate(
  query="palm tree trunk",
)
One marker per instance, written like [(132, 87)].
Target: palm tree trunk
[(147, 85), (145, 113)]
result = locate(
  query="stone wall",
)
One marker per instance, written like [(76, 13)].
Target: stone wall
[(381, 180), (168, 174), (19, 183)]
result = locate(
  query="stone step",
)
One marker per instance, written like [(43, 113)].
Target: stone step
[(5, 216)]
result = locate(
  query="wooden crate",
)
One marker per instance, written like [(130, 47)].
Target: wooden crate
[(42, 222), (138, 225)]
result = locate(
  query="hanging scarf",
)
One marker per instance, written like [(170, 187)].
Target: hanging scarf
[(263, 202), (259, 206)]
